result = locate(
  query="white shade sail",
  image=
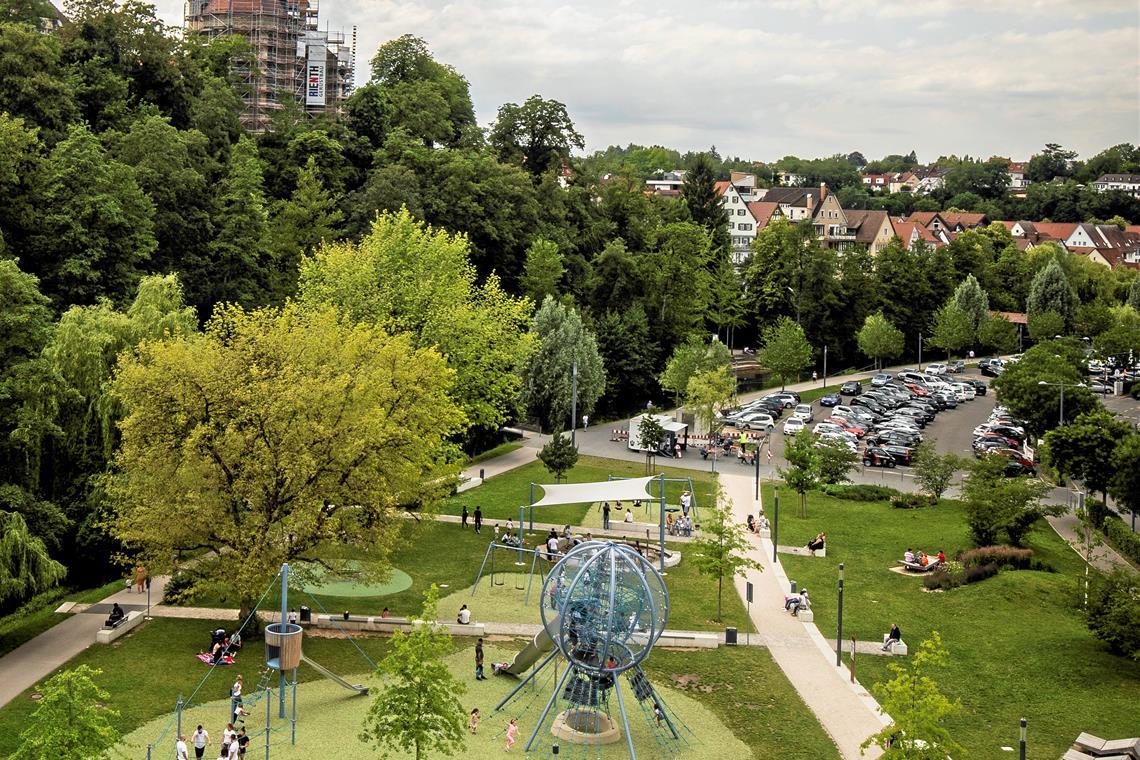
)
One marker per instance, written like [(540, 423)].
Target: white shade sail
[(605, 490)]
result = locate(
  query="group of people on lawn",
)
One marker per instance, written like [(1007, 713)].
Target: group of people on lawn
[(923, 559), (235, 741)]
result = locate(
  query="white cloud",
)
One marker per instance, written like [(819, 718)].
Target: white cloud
[(762, 78)]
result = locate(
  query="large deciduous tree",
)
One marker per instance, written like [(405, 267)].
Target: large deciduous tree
[(708, 392), (951, 329), (693, 356), (543, 270), (538, 135), (1019, 388), (971, 300), (997, 505), (879, 339), (548, 375), (275, 435), (998, 335), (1084, 449), (408, 277), (94, 236), (786, 351), (239, 252), (26, 569)]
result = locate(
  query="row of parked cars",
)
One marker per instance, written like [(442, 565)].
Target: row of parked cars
[(1004, 435), (890, 415), (762, 413)]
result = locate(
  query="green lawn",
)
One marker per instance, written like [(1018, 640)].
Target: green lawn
[(500, 497), (503, 448), (1017, 642), (448, 555), (38, 615)]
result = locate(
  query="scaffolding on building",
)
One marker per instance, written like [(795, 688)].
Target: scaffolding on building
[(285, 39)]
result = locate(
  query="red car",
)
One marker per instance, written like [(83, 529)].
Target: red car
[(1003, 439), (857, 430), (917, 390)]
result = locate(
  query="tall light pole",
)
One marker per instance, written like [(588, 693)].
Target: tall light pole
[(920, 352), (573, 400), (775, 520), (796, 298), (839, 623), (825, 365), (1062, 386)]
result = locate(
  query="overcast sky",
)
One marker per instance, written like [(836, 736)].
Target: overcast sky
[(765, 78)]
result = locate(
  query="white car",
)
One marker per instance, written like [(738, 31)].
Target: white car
[(794, 425), (963, 392), (804, 412), (850, 443), (938, 368), (755, 421)]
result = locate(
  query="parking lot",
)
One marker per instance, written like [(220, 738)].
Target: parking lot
[(951, 431)]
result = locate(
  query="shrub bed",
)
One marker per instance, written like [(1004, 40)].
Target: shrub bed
[(860, 492), (947, 579), (911, 501), (1125, 541), (1003, 556)]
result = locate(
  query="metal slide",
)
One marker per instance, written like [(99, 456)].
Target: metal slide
[(541, 644), (359, 689)]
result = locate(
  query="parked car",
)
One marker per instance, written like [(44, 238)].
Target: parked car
[(774, 407), (902, 454), (851, 388), (917, 415), (851, 427), (938, 368), (804, 412), (846, 439), (956, 366), (831, 399), (793, 425), (990, 367), (789, 398), (869, 403), (859, 413), (880, 379), (979, 386), (984, 446), (897, 438), (917, 390), (755, 421), (944, 400), (875, 456)]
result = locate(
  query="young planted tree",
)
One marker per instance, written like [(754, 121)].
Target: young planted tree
[(651, 435), (71, 721), (559, 456), (933, 471), (878, 339), (996, 504), (786, 350), (918, 708), (720, 551), (417, 710), (277, 435), (834, 461), (802, 472), (708, 392)]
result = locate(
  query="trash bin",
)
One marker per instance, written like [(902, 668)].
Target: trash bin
[(730, 636), (306, 614), (1118, 388), (793, 593)]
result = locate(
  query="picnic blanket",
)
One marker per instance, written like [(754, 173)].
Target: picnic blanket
[(226, 659)]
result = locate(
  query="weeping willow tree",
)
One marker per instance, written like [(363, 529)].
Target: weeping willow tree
[(68, 423), (26, 569)]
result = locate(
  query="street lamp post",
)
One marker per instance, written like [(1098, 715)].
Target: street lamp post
[(839, 623), (920, 352), (775, 520), (573, 402), (1062, 386), (825, 366), (1022, 742)]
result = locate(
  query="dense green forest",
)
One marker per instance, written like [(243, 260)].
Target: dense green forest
[(133, 205)]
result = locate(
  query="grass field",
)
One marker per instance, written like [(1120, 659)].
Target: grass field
[(720, 694), (500, 497), (503, 448), (1017, 642)]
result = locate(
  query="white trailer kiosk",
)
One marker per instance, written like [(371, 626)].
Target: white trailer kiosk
[(675, 432)]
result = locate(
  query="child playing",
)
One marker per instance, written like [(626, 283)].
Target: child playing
[(473, 721), (512, 733)]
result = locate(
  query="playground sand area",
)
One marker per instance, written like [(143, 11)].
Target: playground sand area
[(329, 720)]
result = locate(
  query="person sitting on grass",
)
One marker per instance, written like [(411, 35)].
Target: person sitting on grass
[(628, 515)]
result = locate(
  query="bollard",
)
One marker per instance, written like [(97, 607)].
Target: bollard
[(481, 475)]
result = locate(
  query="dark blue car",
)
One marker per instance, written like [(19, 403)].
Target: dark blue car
[(831, 399)]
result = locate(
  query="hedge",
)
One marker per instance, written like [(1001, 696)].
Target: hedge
[(1122, 537), (860, 492)]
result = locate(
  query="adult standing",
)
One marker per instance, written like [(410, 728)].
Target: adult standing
[(463, 517), (686, 502), (242, 742), (180, 750), (140, 578), (585, 421), (479, 661), (606, 516), (200, 740), (478, 519)]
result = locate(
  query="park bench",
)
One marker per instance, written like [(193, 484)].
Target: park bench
[(915, 567), (1089, 747), (803, 551), (379, 624), (899, 648), (107, 634), (688, 640)]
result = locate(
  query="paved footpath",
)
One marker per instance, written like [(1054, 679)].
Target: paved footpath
[(846, 710), (29, 663)]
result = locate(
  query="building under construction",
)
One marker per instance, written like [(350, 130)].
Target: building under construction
[(293, 61)]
